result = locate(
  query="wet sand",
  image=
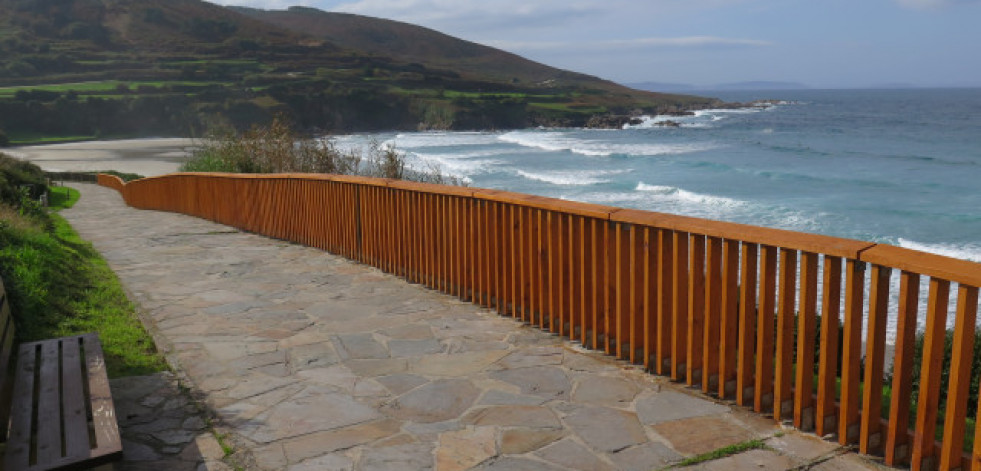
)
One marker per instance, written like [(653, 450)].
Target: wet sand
[(148, 157)]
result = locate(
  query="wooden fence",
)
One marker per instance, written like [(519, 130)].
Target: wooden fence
[(734, 310)]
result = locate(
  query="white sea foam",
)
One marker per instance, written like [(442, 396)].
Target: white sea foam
[(572, 177), (675, 200), (968, 251), (554, 142), (660, 189), (714, 111), (561, 142), (445, 139), (461, 166), (685, 196)]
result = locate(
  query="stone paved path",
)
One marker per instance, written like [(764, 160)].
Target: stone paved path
[(163, 427), (308, 361)]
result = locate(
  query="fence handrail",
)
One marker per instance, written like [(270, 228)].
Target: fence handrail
[(729, 307)]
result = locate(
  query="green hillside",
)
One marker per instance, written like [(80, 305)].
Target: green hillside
[(413, 43), (101, 68)]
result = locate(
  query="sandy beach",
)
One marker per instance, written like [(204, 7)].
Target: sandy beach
[(148, 157)]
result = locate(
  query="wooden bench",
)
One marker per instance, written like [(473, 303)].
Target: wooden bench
[(55, 405)]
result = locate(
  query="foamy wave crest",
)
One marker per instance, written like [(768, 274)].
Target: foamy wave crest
[(571, 177), (659, 189), (456, 165), (969, 251), (560, 142), (554, 142), (685, 196), (445, 139), (716, 112), (674, 200)]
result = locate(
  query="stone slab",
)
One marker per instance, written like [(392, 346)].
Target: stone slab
[(702, 434)]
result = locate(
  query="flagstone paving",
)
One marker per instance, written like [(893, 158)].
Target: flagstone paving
[(308, 361)]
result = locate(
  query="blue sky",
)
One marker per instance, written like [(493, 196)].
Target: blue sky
[(820, 43)]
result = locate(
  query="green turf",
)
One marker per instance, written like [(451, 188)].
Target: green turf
[(59, 285)]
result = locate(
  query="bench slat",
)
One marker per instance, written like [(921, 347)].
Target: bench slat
[(6, 336), (6, 351), (73, 400), (49, 405), (18, 453), (62, 389), (107, 438), (6, 339)]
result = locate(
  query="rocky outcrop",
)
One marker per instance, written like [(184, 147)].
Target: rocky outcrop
[(612, 121), (678, 113), (619, 121)]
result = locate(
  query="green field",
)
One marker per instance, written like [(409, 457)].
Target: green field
[(34, 138), (88, 88), (569, 108)]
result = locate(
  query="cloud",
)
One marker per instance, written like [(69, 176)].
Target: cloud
[(686, 42), (932, 4)]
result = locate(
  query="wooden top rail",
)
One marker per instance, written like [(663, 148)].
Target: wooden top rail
[(110, 181), (546, 203), (914, 261), (814, 243)]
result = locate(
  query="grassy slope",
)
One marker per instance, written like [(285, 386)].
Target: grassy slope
[(412, 43), (59, 285)]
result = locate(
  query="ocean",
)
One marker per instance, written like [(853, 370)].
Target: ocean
[(901, 167)]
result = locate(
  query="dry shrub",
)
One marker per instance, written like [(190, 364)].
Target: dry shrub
[(12, 218), (277, 148), (270, 149)]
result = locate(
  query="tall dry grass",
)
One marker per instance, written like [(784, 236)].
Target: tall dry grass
[(278, 148)]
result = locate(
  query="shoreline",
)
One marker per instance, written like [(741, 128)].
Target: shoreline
[(145, 156)]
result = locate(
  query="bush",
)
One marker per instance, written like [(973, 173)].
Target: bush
[(269, 149), (278, 149), (4, 140), (972, 402), (16, 176)]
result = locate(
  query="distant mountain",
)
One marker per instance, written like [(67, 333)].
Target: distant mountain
[(124, 67), (761, 85), (892, 86), (662, 86), (688, 88)]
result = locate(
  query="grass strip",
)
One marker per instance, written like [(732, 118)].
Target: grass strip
[(723, 452), (59, 285), (62, 197)]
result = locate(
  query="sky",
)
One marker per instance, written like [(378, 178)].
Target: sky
[(818, 43)]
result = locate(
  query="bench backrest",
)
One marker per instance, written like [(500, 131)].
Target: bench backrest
[(6, 350)]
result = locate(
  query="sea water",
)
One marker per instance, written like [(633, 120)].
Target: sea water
[(901, 167)]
